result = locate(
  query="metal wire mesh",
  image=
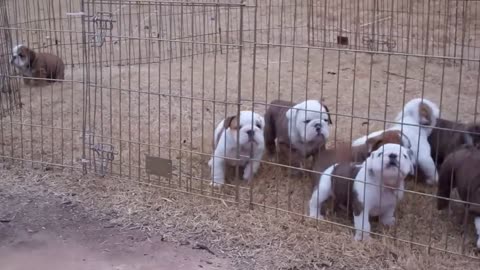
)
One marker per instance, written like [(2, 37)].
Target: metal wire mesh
[(153, 78)]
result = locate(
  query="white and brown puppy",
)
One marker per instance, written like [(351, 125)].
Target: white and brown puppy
[(344, 158), (37, 68), (416, 121), (248, 129), (461, 170), (381, 175), (301, 129)]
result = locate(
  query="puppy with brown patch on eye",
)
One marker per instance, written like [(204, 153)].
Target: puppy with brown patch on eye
[(347, 158), (299, 130), (461, 170), (416, 121), (378, 186), (37, 68), (242, 135)]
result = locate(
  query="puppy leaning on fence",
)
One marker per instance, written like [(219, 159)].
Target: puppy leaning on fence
[(378, 186), (248, 128), (416, 121), (299, 130), (345, 162), (37, 68), (460, 170)]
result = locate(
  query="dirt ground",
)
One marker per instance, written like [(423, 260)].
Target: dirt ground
[(46, 231)]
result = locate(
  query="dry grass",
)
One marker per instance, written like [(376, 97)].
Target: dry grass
[(170, 108)]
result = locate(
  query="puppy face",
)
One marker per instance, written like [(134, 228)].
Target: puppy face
[(21, 57), (392, 162), (310, 120), (249, 126)]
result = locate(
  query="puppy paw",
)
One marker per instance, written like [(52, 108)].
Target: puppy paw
[(388, 221), (216, 184), (431, 181), (313, 214), (361, 236)]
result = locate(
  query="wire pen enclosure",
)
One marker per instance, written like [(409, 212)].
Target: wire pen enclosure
[(147, 82)]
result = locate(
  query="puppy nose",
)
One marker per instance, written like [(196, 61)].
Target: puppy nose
[(318, 126), (393, 156), (250, 133)]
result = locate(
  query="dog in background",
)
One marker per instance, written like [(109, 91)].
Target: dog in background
[(461, 170), (246, 131), (416, 122), (37, 68), (299, 130)]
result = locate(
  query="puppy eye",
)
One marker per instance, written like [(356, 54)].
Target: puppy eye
[(379, 154), (20, 54), (259, 126), (405, 156), (306, 121)]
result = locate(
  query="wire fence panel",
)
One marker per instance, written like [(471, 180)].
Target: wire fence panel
[(148, 81)]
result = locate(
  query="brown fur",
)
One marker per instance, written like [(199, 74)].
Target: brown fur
[(342, 187), (461, 170), (43, 66), (276, 127), (443, 142), (230, 122), (426, 112)]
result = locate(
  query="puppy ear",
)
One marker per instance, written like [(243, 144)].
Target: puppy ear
[(472, 136), (231, 122), (426, 114), (328, 114), (30, 53), (373, 143)]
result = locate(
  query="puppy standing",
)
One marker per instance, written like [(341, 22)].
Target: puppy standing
[(378, 186), (461, 170), (300, 129), (415, 113), (36, 65), (346, 161), (249, 128)]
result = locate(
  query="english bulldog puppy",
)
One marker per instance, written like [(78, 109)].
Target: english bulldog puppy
[(378, 186), (416, 122), (246, 132), (460, 170), (37, 68), (299, 130)]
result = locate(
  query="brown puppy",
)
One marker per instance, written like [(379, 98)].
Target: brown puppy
[(299, 130), (37, 68), (448, 136), (461, 170)]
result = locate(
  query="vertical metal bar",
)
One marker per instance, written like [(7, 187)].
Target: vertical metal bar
[(85, 87)]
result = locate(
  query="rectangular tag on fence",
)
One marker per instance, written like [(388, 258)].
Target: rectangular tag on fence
[(158, 166)]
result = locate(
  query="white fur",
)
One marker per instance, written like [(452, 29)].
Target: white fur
[(303, 120), (20, 63), (477, 226), (379, 186), (227, 147), (408, 121), (321, 192)]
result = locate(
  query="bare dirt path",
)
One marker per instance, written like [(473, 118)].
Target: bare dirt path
[(45, 232)]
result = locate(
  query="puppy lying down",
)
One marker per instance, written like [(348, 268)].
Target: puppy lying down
[(461, 170), (378, 186)]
